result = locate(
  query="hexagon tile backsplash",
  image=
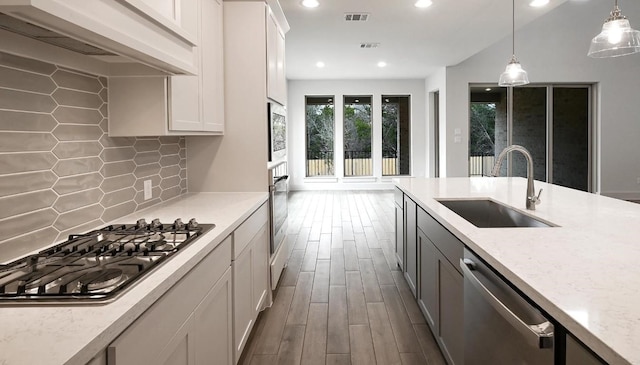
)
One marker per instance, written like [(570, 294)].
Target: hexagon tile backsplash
[(60, 172)]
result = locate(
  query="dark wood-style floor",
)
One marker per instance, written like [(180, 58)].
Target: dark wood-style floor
[(341, 299)]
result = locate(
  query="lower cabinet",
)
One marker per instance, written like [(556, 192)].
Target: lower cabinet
[(190, 324), (429, 280), (398, 196), (214, 324), (250, 276), (440, 297), (207, 316), (411, 244), (451, 300), (577, 354)]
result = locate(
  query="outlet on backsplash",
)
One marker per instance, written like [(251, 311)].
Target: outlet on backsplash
[(147, 189)]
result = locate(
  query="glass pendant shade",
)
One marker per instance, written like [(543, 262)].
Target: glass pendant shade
[(616, 39), (513, 75)]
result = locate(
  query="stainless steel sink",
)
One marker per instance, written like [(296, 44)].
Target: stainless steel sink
[(486, 213)]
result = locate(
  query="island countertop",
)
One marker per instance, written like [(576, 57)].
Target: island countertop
[(584, 272), (72, 334)]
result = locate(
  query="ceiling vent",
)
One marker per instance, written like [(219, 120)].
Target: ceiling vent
[(356, 17), (369, 45)]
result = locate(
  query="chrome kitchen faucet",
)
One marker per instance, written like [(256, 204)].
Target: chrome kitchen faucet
[(532, 198)]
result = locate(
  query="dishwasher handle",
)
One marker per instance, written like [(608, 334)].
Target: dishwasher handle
[(538, 335)]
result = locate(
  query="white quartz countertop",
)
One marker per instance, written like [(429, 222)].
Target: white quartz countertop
[(73, 334), (584, 273)]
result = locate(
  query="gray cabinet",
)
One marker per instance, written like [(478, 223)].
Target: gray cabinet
[(399, 246), (428, 269), (577, 354), (440, 294), (411, 244), (451, 309)]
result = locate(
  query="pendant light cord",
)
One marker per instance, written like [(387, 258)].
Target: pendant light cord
[(513, 27)]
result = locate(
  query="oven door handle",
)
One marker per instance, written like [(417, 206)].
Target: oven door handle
[(277, 179)]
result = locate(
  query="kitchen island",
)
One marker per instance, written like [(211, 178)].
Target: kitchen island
[(75, 333), (582, 272)]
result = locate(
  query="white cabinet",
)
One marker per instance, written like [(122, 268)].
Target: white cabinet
[(190, 324), (176, 105), (250, 276), (214, 321), (276, 78)]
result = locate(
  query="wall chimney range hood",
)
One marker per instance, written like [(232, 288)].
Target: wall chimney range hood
[(111, 32)]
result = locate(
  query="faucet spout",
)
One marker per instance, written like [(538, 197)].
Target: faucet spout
[(532, 198)]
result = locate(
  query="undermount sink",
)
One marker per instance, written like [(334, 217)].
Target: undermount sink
[(486, 213)]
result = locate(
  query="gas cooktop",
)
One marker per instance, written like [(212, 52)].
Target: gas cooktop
[(95, 266)]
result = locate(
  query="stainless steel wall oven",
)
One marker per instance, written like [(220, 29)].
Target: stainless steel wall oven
[(278, 201)]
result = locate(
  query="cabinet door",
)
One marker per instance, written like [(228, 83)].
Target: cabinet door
[(181, 348), (451, 311), (272, 56), (281, 78), (411, 251), (428, 296), (400, 236), (214, 324), (260, 269), (212, 67), (576, 354), (243, 307)]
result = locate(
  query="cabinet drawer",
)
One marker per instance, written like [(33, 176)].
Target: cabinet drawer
[(398, 196), (248, 229), (446, 242)]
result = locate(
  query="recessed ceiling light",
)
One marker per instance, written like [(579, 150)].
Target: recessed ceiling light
[(320, 64), (423, 3), (310, 3), (487, 89), (382, 64), (538, 3), (357, 100)]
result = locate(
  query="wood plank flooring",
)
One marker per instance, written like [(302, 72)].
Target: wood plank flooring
[(341, 299)]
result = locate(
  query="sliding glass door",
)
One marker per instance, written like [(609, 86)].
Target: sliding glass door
[(552, 121)]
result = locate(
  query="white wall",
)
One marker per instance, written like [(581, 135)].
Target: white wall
[(554, 49), (298, 89), (437, 81)]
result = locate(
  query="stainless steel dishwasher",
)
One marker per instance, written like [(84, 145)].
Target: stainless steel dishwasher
[(501, 327)]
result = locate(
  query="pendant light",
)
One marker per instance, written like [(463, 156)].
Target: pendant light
[(617, 37), (514, 74)]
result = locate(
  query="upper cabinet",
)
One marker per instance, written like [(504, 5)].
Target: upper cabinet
[(176, 105), (276, 78), (157, 33)]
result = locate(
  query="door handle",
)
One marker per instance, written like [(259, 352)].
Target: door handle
[(539, 335)]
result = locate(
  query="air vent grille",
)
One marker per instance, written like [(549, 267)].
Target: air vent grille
[(356, 17), (369, 45)]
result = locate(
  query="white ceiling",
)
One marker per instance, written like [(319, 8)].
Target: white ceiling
[(413, 42)]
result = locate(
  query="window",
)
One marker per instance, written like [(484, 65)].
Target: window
[(357, 136), (320, 134), (395, 135)]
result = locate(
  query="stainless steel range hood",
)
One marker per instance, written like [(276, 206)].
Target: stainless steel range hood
[(105, 31)]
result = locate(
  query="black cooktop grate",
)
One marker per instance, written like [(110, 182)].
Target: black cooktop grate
[(96, 266)]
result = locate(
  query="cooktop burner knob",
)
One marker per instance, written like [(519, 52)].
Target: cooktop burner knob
[(156, 223), (193, 224), (178, 224), (141, 223)]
